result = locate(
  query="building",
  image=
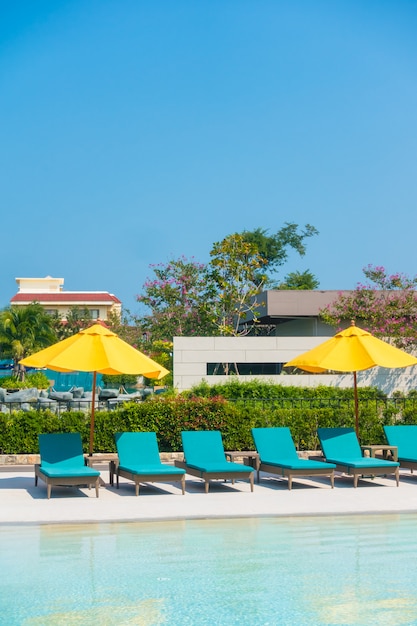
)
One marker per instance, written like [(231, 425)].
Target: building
[(294, 313), (292, 326), (49, 293)]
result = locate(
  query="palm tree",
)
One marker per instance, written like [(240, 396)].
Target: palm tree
[(24, 330)]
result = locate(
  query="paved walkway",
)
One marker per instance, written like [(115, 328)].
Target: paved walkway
[(22, 502)]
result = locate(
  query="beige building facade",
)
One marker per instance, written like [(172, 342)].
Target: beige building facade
[(50, 294)]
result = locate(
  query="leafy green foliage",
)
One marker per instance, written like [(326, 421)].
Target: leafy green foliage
[(23, 331), (186, 298), (233, 416), (236, 270), (39, 380), (300, 280), (76, 319), (274, 248), (119, 380)]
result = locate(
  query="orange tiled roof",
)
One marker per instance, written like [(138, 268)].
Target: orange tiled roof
[(65, 296)]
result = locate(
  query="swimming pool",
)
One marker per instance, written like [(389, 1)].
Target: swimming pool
[(263, 571)]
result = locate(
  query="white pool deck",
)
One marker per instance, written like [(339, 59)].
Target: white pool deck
[(22, 503)]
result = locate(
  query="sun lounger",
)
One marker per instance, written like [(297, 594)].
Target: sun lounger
[(341, 447), (62, 462), (204, 457), (139, 461), (278, 455), (405, 438)]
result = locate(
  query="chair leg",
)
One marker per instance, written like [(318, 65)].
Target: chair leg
[(206, 486), (289, 482), (137, 487), (251, 481), (48, 490), (355, 480), (97, 486), (332, 480), (183, 484), (397, 476)]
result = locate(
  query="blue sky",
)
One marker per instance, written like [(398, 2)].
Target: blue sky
[(135, 131)]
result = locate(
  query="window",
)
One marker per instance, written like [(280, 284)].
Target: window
[(95, 314), (244, 369)]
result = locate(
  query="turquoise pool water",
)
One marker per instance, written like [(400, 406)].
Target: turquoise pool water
[(291, 571)]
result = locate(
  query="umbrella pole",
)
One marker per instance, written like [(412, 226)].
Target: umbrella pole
[(93, 408), (355, 392)]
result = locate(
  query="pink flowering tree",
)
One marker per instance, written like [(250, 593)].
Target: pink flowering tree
[(386, 306), (179, 297), (187, 298)]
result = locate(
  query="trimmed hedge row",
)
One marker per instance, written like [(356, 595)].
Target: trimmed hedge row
[(169, 416)]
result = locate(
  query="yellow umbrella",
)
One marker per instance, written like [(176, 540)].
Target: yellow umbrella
[(352, 350), (96, 349)]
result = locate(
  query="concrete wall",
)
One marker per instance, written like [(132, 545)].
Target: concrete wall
[(191, 355)]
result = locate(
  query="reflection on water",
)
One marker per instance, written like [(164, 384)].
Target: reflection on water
[(351, 570)]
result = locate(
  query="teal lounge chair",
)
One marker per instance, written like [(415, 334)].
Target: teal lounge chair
[(139, 461), (341, 446), (62, 462), (278, 455), (204, 457), (405, 438)]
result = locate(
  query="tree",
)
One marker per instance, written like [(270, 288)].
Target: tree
[(77, 318), (300, 280), (274, 249), (179, 299), (188, 298), (236, 270), (23, 331), (386, 306), (127, 327)]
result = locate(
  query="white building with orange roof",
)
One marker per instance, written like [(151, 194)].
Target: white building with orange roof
[(49, 293)]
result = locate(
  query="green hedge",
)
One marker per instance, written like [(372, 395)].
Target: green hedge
[(169, 416)]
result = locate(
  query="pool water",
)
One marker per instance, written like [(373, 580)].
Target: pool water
[(282, 571)]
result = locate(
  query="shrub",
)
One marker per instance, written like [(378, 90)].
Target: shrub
[(235, 417), (33, 379)]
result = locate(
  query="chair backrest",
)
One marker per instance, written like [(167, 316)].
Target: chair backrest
[(64, 449), (274, 443), (137, 448), (405, 437), (203, 446), (339, 443)]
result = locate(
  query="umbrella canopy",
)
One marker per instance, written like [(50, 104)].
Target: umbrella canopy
[(352, 350), (95, 349)]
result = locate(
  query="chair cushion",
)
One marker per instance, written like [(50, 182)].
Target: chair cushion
[(137, 449), (61, 450), (221, 468), (152, 469), (408, 459), (302, 464), (274, 443), (202, 447), (339, 443), (69, 472), (364, 462), (405, 438)]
